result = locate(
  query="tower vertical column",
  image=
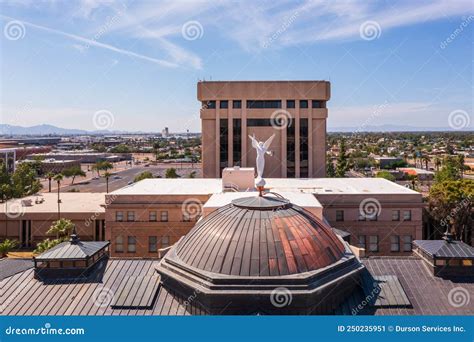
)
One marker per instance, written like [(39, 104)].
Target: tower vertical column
[(244, 133), (218, 141)]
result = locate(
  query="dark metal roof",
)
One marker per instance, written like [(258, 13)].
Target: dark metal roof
[(244, 239), (9, 267), (429, 295), (77, 250), (445, 249)]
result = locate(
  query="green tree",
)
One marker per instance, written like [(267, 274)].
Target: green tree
[(449, 171), (143, 175), (61, 228), (49, 176), (73, 172), (58, 178), (451, 203), (24, 181), (192, 174), (6, 246), (171, 173), (330, 170), (44, 245), (102, 166), (107, 177), (342, 165), (386, 175), (460, 160)]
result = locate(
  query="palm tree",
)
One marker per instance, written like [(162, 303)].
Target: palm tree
[(49, 176), (107, 176), (58, 179), (425, 158), (437, 162), (61, 228), (414, 156), (460, 162)]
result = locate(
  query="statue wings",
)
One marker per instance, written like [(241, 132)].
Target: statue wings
[(268, 142), (254, 141)]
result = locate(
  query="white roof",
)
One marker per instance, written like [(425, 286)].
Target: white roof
[(71, 202), (301, 199), (338, 185), (209, 186), (172, 186)]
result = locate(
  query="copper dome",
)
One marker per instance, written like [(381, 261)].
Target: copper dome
[(240, 254), (260, 236)]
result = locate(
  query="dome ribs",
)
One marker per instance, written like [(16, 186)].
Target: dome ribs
[(288, 253), (260, 238), (224, 246), (264, 267), (238, 261)]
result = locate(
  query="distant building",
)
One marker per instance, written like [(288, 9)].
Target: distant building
[(165, 132), (28, 219), (295, 111), (53, 165), (8, 158), (423, 175), (387, 162)]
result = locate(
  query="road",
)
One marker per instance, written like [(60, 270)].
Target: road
[(121, 178)]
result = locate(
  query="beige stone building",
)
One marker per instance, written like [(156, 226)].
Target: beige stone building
[(295, 111), (381, 217), (27, 219)]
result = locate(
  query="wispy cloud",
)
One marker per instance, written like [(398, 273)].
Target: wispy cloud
[(91, 42)]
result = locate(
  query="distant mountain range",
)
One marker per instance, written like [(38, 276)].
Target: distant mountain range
[(45, 129)]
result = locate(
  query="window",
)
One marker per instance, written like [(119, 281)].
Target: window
[(164, 216), (316, 104), (395, 215), (237, 104), (132, 244), (224, 143), (304, 167), (394, 243), (407, 243), (339, 215), (152, 244), (209, 105), (467, 262), (290, 151), (440, 262), (165, 241), (237, 141), (152, 216), (264, 122), (361, 239), (224, 104), (259, 104), (119, 216), (373, 243), (130, 216), (290, 103), (407, 215), (303, 103), (119, 244)]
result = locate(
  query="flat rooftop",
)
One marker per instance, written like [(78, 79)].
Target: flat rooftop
[(300, 199), (209, 186), (71, 202)]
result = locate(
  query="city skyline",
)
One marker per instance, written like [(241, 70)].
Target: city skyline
[(124, 66)]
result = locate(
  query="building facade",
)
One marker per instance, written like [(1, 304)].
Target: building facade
[(295, 111), (154, 214)]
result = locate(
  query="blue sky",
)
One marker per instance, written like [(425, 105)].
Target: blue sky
[(389, 62)]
